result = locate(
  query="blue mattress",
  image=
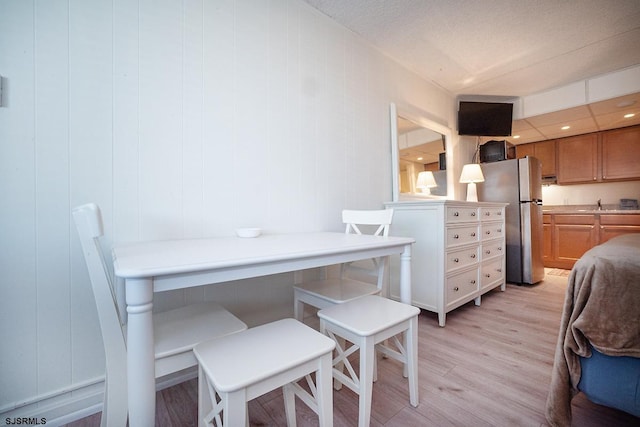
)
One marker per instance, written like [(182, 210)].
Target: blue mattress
[(611, 381)]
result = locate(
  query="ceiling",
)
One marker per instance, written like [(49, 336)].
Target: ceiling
[(507, 48)]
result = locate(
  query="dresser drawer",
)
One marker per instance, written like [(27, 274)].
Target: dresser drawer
[(491, 230), (461, 235), (491, 272), (461, 285), (462, 258), (492, 249), (490, 214), (460, 214)]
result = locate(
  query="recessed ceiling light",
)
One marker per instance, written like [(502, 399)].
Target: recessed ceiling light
[(628, 116), (516, 136), (565, 127), (419, 158)]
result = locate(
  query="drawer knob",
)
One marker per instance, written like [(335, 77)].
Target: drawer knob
[(488, 252), (473, 214), (487, 275), (499, 248), (473, 256), (456, 289), (473, 282), (473, 234), (455, 236), (488, 232), (499, 270), (499, 213), (499, 230), (456, 260), (456, 214), (488, 214)]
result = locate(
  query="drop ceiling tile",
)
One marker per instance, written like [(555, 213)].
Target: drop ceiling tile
[(578, 127), (560, 117)]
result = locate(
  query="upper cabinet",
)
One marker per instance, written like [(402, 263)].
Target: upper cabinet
[(578, 159), (599, 157), (545, 151), (621, 154)]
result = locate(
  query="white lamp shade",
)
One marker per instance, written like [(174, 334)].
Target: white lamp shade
[(426, 180), (471, 173)]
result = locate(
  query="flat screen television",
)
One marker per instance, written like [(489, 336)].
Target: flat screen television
[(485, 118)]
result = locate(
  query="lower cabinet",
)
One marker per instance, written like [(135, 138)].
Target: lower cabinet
[(459, 252), (568, 236)]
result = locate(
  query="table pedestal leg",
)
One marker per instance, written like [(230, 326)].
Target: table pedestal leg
[(140, 355), (405, 275)]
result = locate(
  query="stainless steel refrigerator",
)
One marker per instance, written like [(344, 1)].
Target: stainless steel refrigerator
[(519, 183)]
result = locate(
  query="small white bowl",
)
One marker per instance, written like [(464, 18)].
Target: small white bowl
[(248, 232)]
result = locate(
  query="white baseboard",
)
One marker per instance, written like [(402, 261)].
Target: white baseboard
[(75, 402)]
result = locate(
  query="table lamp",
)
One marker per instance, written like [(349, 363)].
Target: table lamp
[(471, 174), (426, 180)]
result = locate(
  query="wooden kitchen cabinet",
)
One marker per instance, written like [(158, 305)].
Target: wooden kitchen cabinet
[(547, 242), (612, 155), (573, 236), (621, 154), (612, 225), (524, 150), (545, 151), (566, 236), (578, 159)]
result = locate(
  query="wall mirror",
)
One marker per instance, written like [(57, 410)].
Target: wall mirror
[(420, 145)]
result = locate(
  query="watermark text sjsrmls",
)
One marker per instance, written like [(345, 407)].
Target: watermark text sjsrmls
[(25, 421)]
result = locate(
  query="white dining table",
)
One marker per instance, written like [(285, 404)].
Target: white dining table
[(157, 266)]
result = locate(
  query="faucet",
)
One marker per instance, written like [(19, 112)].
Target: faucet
[(599, 204)]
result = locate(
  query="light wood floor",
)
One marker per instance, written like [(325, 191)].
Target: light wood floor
[(490, 366)]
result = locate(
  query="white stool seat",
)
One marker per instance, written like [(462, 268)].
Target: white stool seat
[(245, 365), (335, 291), (367, 322), (356, 279), (177, 331)]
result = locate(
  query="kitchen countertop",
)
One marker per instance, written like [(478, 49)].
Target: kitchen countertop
[(587, 209)]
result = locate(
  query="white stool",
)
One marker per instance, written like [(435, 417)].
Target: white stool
[(367, 322), (248, 364)]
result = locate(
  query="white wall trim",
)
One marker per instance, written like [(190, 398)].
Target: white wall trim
[(77, 401)]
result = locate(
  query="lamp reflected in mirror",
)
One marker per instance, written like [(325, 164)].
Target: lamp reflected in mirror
[(426, 181), (471, 174)]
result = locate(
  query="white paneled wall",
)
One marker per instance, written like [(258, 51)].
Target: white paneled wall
[(180, 119)]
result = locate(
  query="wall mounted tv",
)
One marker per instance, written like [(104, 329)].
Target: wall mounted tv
[(485, 118)]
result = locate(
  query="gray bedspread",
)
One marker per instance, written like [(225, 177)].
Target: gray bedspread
[(602, 309)]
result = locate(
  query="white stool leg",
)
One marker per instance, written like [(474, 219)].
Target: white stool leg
[(367, 354), (205, 405), (289, 404), (340, 342), (235, 408), (412, 360), (324, 393), (298, 308)]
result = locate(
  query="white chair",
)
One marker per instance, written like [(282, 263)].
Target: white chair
[(176, 331), (366, 322), (240, 367), (327, 292)]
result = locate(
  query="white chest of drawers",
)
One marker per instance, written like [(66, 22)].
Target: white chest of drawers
[(459, 252)]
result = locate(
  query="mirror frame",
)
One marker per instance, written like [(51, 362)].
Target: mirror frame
[(420, 119)]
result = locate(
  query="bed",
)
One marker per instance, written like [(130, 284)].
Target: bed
[(598, 349)]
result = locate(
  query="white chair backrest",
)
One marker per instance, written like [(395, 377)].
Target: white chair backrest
[(371, 218), (88, 220), (382, 218)]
